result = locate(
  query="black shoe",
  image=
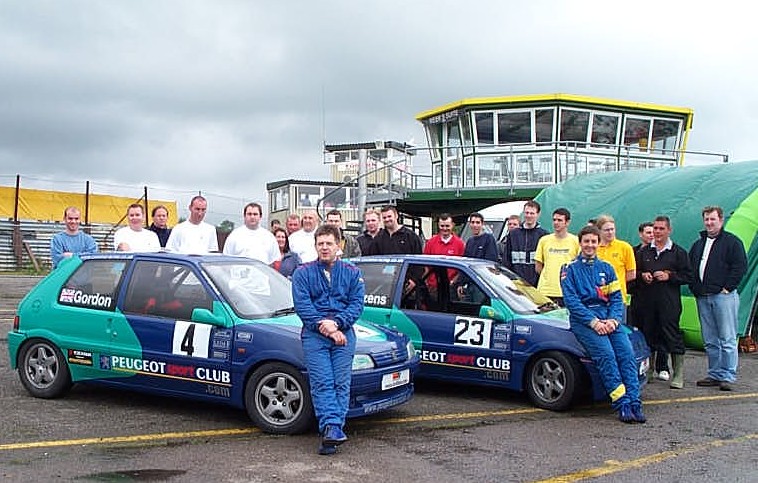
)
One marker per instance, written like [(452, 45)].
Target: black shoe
[(725, 386), (333, 435), (708, 382), (326, 449)]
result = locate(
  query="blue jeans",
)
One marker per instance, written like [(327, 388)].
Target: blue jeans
[(718, 325), (329, 372), (614, 357)]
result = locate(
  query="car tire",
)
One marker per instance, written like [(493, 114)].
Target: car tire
[(278, 399), (552, 380), (43, 370)]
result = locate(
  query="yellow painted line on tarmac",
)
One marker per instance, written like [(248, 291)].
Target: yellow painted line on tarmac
[(447, 417), (614, 466), (129, 439), (696, 399), (400, 420)]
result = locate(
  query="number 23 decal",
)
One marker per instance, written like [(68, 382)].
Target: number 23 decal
[(472, 332), (191, 339)]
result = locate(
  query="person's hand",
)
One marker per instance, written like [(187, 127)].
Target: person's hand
[(327, 327), (647, 277), (661, 275), (601, 327), (605, 326), (338, 337), (611, 325)]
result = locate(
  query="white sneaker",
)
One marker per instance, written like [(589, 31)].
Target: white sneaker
[(664, 376)]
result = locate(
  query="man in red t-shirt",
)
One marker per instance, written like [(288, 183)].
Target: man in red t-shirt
[(445, 242)]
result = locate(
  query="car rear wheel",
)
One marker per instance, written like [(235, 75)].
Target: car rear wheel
[(278, 399), (43, 370), (552, 380)]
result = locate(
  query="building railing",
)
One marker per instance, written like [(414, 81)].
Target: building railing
[(541, 164), (398, 181)]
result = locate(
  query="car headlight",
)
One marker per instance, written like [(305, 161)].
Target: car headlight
[(362, 361), (411, 350)]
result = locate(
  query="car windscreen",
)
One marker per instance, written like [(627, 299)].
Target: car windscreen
[(521, 297), (253, 290), (489, 226)]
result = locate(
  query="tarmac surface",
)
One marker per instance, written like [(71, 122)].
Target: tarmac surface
[(447, 433)]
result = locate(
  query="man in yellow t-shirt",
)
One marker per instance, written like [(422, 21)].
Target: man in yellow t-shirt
[(617, 252), (553, 251)]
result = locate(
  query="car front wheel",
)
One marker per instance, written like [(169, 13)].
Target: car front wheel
[(43, 370), (552, 380), (278, 399)]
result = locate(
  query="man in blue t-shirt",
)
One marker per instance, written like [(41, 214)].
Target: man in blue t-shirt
[(480, 244), (71, 241)]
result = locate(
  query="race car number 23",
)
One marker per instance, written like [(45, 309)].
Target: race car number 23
[(191, 339), (472, 332)]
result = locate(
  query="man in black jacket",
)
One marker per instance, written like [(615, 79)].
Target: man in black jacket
[(662, 267), (521, 244), (394, 238), (719, 260)]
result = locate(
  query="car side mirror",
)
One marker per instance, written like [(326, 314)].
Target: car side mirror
[(206, 316), (489, 312)]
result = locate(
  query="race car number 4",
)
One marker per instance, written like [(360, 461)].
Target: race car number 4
[(191, 339), (396, 379)]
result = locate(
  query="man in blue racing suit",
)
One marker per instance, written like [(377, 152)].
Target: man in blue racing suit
[(592, 295), (328, 296)]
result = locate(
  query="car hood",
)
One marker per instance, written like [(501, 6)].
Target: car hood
[(369, 337)]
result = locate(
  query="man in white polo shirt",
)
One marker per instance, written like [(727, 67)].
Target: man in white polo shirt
[(135, 237), (252, 241), (302, 241), (194, 235)]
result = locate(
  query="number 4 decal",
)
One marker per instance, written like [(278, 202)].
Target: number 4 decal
[(472, 332), (191, 339)]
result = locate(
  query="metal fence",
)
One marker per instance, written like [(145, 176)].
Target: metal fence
[(35, 236)]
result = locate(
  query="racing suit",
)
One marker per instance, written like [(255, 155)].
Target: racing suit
[(336, 295), (591, 291)]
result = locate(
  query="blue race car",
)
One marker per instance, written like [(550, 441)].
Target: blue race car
[(214, 328), (473, 321)]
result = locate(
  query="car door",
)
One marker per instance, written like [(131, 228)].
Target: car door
[(162, 347), (86, 313), (383, 295), (457, 342)]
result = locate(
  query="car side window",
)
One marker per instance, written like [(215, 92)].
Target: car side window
[(437, 288), (424, 288), (94, 285), (468, 297), (165, 290), (379, 279)]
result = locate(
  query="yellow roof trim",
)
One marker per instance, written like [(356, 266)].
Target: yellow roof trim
[(476, 101)]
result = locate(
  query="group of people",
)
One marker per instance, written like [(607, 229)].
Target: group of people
[(605, 284), (602, 281), (133, 237), (191, 236)]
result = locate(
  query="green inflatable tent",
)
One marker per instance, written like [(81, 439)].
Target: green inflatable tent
[(680, 193)]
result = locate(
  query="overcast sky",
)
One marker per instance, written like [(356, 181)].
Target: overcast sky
[(225, 96)]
